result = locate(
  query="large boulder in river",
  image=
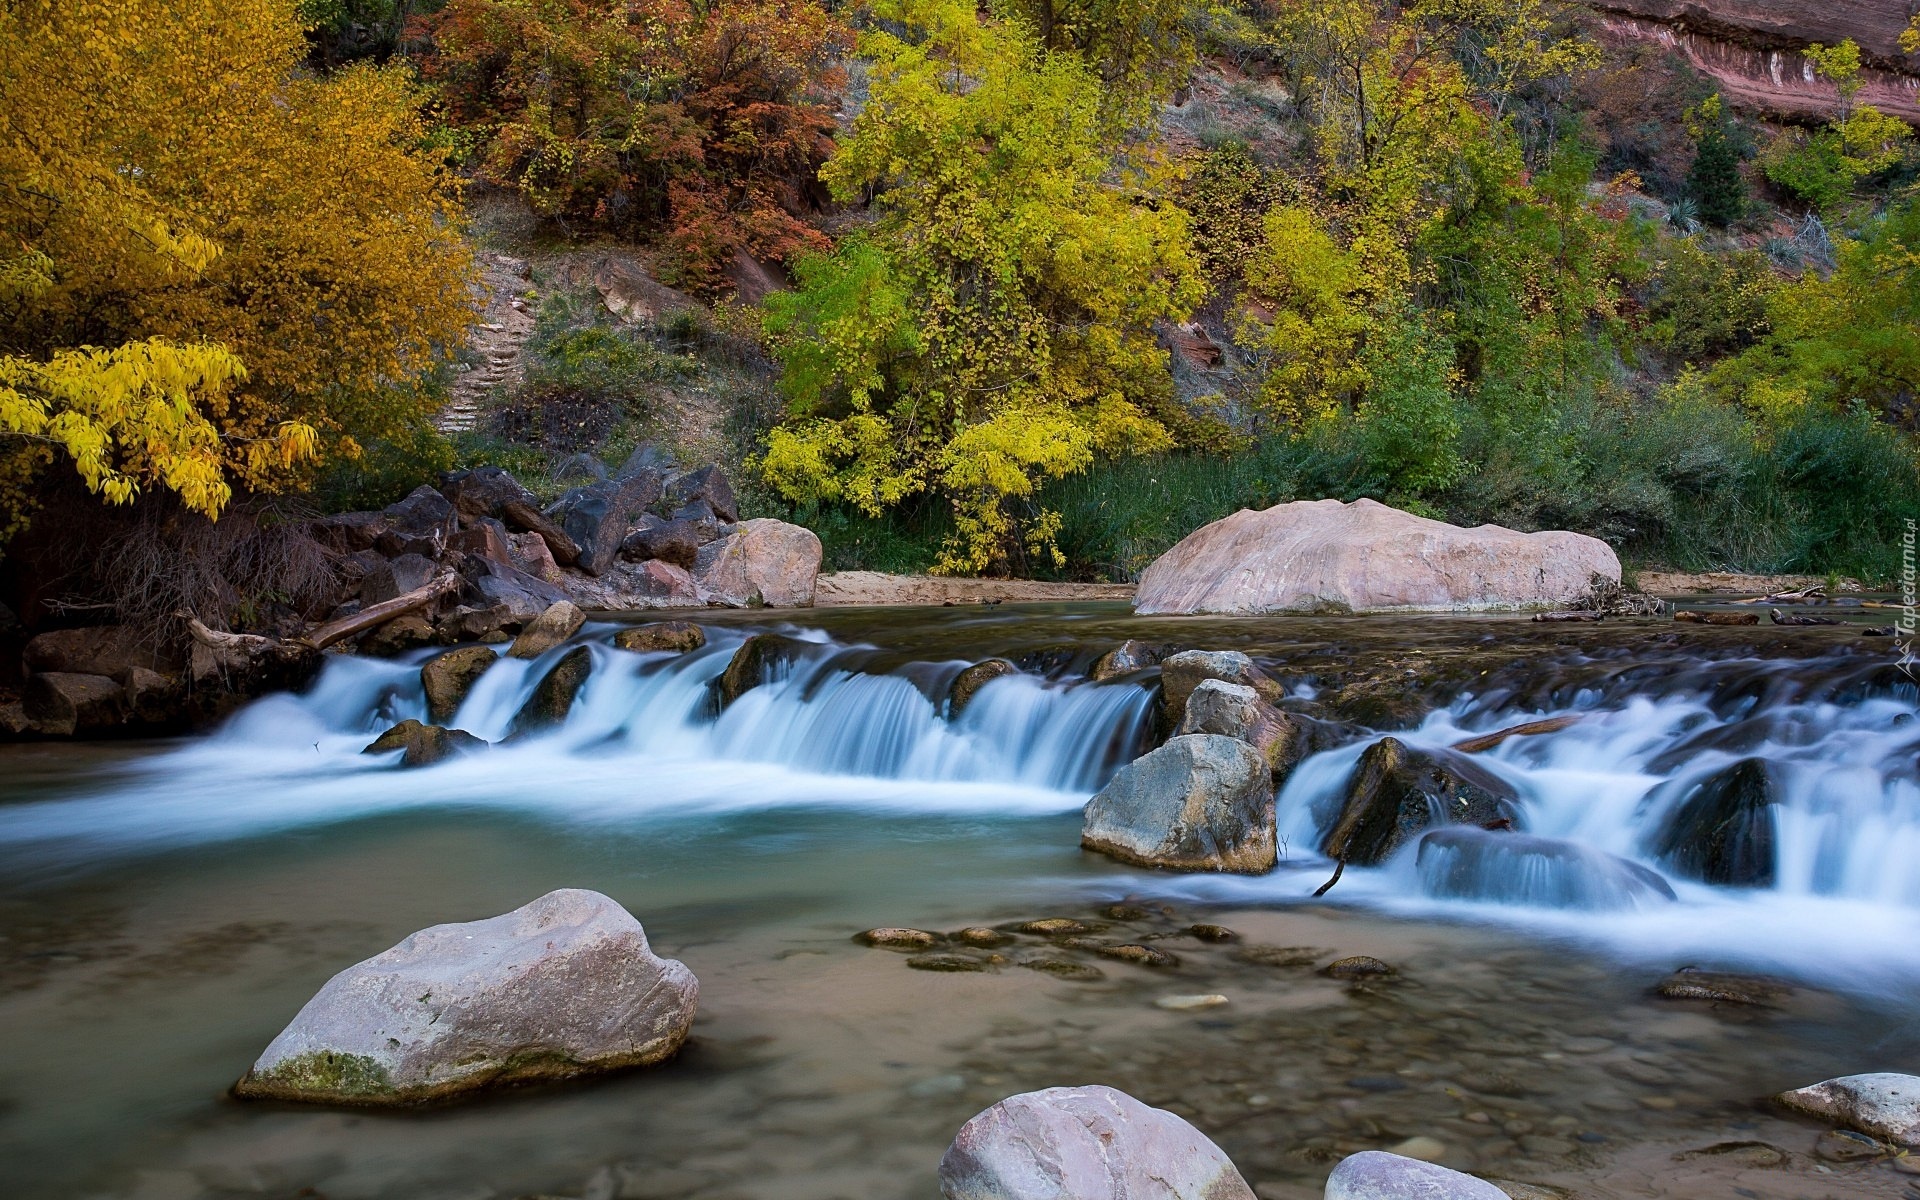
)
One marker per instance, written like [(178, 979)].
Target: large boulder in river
[(1181, 673), (1322, 555), (1377, 1175), (1085, 1143), (1722, 831), (552, 698), (1396, 791), (424, 745), (564, 986), (1198, 803), (1883, 1105), (762, 562), (1235, 711), (448, 678), (551, 628)]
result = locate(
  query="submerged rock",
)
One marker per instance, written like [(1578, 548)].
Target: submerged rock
[(1088, 1143), (1201, 802), (1377, 1175), (1722, 987), (448, 678), (753, 664), (947, 962), (1055, 926), (661, 636), (1884, 1104), (1187, 670), (1144, 956), (564, 986), (1322, 555), (1236, 711), (979, 935), (1062, 968), (969, 682), (1465, 863), (1396, 791), (1723, 830), (553, 696), (424, 745), (1358, 966)]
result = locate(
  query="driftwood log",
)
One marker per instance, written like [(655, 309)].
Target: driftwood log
[(1488, 741), (322, 636)]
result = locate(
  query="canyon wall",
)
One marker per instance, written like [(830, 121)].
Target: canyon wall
[(1751, 48)]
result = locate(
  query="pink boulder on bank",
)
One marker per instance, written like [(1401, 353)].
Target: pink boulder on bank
[(1325, 556)]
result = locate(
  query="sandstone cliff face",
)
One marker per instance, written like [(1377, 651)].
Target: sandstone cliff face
[(1750, 48)]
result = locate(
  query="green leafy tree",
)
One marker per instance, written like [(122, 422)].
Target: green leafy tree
[(994, 327)]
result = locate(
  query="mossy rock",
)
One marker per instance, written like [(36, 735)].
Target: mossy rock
[(675, 637), (753, 664), (1061, 968), (947, 962), (553, 696), (968, 683), (448, 678)]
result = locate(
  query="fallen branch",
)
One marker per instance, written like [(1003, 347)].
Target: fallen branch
[(1339, 866), (248, 644), (379, 614), (1570, 615), (1816, 592), (1488, 741)]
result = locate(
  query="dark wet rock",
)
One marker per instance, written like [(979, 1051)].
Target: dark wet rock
[(1722, 831), (982, 937), (1395, 792), (754, 663), (63, 703), (1279, 956), (1213, 933), (898, 938), (1723, 987), (598, 517), (551, 628), (1055, 927), (408, 631), (553, 696), (489, 539), (1198, 803), (493, 624), (564, 986), (448, 678), (699, 517), (424, 745), (677, 542), (109, 650), (1092, 1142), (1143, 956), (1237, 711), (490, 584), (1883, 1104), (392, 579), (1125, 912), (1358, 966), (524, 517), (646, 457), (1715, 617), (708, 484), (1061, 968), (1378, 1175), (483, 492), (947, 962), (1464, 863), (661, 637), (350, 532), (423, 510), (1185, 671), (1126, 658), (969, 682)]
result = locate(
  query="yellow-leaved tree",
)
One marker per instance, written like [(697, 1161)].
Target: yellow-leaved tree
[(216, 269), (993, 329)]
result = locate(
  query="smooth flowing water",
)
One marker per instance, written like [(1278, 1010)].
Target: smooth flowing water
[(167, 907)]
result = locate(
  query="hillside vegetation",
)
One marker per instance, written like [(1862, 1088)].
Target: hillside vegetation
[(1030, 291)]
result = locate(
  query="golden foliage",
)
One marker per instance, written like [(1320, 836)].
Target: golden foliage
[(177, 187)]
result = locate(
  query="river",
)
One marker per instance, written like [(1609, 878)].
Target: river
[(169, 905)]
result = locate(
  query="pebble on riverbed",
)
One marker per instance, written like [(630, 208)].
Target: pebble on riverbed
[(1719, 987), (897, 938), (1145, 956), (1055, 926), (980, 935), (1213, 933), (949, 962), (1358, 966)]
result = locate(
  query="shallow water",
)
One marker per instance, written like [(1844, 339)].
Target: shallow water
[(167, 907)]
